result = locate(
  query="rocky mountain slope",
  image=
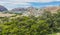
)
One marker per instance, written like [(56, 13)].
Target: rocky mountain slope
[(2, 8), (32, 10)]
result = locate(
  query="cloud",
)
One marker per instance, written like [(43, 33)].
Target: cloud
[(24, 3)]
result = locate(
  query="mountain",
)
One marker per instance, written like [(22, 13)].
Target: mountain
[(52, 9), (39, 11), (36, 11), (2, 8), (19, 9)]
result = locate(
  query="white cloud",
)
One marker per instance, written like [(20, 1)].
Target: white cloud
[(24, 1), (21, 3)]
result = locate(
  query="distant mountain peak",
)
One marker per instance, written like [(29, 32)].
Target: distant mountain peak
[(2, 8)]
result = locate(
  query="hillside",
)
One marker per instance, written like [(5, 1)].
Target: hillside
[(31, 10), (2, 8)]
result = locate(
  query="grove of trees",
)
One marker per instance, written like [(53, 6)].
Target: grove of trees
[(45, 24)]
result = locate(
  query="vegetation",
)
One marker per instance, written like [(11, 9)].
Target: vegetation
[(46, 24)]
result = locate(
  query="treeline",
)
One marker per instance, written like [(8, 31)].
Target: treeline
[(45, 24)]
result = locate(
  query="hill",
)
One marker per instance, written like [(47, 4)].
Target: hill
[(2, 8)]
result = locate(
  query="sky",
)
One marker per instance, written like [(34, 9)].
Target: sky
[(10, 4)]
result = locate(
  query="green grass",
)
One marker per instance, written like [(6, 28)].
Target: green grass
[(53, 34)]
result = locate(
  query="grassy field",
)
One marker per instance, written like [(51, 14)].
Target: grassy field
[(55, 34), (6, 14)]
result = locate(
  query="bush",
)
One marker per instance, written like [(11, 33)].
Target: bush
[(32, 25)]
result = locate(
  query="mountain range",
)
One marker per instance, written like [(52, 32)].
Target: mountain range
[(31, 10)]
